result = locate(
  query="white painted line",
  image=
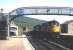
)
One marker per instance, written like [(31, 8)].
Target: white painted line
[(27, 44)]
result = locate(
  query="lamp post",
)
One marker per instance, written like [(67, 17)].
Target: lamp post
[(8, 23)]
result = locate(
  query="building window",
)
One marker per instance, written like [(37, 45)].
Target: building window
[(24, 28)]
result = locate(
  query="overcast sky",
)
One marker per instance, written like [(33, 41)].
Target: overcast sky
[(9, 5)]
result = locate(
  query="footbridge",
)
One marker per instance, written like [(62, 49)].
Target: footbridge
[(43, 11)]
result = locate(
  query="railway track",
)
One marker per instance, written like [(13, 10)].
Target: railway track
[(37, 45), (48, 43), (40, 44), (64, 43), (55, 45)]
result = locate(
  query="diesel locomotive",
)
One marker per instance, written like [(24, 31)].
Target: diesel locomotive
[(50, 28)]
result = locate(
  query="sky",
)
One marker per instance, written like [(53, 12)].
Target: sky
[(9, 5)]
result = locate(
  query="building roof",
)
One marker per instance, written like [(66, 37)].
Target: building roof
[(67, 22)]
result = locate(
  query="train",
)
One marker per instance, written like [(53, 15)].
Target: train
[(51, 26), (48, 29)]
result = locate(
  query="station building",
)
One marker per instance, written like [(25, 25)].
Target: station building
[(17, 30), (67, 28)]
